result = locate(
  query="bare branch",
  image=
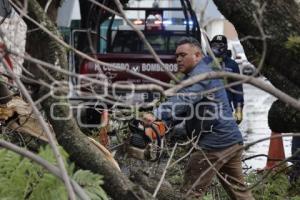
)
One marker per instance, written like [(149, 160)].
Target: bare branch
[(264, 38), (51, 138), (164, 172), (105, 8), (83, 55), (142, 36), (251, 80), (47, 5)]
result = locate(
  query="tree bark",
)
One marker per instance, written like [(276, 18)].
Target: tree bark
[(68, 134), (86, 156), (280, 20)]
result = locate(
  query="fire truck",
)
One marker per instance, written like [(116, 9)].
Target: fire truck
[(121, 46)]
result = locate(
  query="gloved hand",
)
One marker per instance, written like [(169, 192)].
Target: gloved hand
[(159, 126), (238, 114), (148, 118)]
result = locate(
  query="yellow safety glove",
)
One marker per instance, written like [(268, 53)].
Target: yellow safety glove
[(238, 114)]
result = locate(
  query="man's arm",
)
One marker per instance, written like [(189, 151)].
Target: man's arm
[(238, 95), (176, 107), (181, 104)]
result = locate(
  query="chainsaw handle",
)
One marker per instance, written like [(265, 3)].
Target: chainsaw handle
[(158, 138)]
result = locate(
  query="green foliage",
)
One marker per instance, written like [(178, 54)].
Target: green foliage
[(22, 179), (293, 44), (48, 187), (175, 176), (208, 197), (276, 187), (91, 184)]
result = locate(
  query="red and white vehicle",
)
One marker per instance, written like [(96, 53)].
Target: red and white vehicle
[(123, 48)]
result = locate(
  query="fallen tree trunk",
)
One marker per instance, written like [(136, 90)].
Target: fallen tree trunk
[(85, 155), (68, 134)]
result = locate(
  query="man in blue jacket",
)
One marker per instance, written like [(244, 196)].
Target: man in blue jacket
[(209, 120), (235, 95)]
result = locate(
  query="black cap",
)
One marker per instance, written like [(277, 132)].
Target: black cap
[(219, 39)]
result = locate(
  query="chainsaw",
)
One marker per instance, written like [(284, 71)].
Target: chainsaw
[(146, 141)]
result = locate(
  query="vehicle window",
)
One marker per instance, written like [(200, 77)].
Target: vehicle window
[(172, 42), (152, 3), (126, 41), (161, 42), (158, 43), (173, 18)]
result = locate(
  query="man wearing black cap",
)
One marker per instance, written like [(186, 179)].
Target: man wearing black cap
[(235, 93)]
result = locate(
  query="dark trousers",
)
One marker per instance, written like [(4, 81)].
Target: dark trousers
[(227, 162)]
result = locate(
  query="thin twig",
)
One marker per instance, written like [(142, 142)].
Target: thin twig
[(144, 87), (85, 56), (164, 172), (143, 38), (47, 5), (51, 138), (251, 80), (105, 8)]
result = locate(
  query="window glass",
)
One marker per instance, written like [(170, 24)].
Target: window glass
[(126, 41), (158, 43), (161, 42)]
